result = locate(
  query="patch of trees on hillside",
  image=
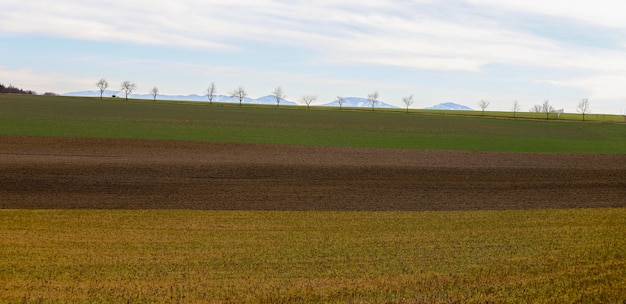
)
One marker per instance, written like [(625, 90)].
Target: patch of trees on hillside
[(14, 90)]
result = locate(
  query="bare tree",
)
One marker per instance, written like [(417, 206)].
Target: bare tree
[(240, 93), (536, 108), (102, 85), (128, 87), (278, 93), (547, 108), (483, 105), (408, 101), (308, 99), (154, 92), (210, 92), (340, 101), (583, 107), (373, 99), (516, 108)]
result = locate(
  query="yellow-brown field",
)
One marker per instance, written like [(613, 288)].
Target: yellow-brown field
[(572, 255)]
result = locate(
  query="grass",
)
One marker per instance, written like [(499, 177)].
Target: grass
[(92, 117), (87, 256)]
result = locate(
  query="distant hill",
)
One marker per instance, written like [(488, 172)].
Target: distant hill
[(271, 99), (13, 90), (449, 106), (106, 93), (358, 102)]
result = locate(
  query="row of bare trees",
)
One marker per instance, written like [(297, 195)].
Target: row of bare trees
[(279, 95), (240, 93), (582, 107)]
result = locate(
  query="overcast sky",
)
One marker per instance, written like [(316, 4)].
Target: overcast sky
[(462, 51)]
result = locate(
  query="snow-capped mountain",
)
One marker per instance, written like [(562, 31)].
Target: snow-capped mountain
[(449, 106), (358, 102), (271, 99)]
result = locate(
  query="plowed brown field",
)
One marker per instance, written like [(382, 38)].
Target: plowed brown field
[(47, 172)]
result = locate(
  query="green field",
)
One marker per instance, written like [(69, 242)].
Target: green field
[(552, 256), (185, 256), (92, 117)]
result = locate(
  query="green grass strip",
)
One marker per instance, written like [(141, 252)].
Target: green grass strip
[(92, 117)]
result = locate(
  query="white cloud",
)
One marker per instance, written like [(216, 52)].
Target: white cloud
[(601, 12), (464, 35), (393, 33), (130, 21), (428, 43), (603, 86)]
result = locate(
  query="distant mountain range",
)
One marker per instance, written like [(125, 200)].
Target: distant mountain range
[(358, 102), (267, 100), (351, 102), (449, 106)]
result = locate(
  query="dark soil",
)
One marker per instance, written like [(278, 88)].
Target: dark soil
[(48, 172)]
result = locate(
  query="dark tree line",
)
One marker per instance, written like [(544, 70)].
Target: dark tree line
[(13, 90)]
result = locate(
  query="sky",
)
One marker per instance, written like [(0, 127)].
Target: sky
[(461, 51)]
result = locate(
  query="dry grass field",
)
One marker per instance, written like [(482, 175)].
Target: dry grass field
[(207, 256)]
